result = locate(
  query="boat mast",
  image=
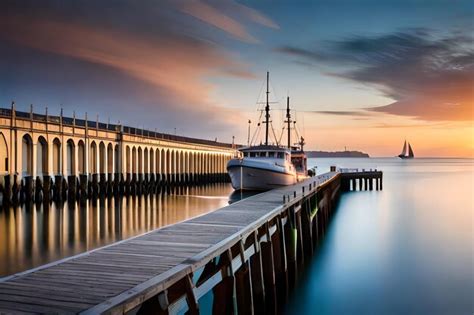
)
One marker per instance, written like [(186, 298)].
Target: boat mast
[(267, 113), (288, 121)]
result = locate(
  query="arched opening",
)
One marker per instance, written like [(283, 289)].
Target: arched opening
[(117, 159), (81, 156), (164, 159), (70, 157), (158, 158), (102, 157), (140, 161), (182, 162), (186, 162), (42, 157), (56, 157), (93, 158), (198, 163), (110, 158), (191, 161), (152, 161), (145, 153), (3, 155), (172, 162), (134, 160), (127, 159), (27, 155)]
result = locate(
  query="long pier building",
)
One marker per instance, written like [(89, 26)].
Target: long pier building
[(43, 156)]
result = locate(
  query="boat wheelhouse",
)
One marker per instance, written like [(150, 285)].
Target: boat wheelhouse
[(262, 167)]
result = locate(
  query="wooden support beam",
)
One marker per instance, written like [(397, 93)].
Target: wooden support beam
[(256, 271), (269, 273)]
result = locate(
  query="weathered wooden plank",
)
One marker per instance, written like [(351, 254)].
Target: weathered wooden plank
[(69, 305), (12, 307)]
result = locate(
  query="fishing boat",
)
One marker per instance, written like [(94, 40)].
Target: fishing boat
[(404, 154), (267, 166)]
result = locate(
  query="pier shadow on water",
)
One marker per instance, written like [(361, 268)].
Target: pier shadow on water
[(34, 234)]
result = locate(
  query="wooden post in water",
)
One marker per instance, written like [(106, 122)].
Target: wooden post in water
[(268, 272), (256, 273)]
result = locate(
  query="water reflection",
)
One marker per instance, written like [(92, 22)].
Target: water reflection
[(35, 234), (238, 195)]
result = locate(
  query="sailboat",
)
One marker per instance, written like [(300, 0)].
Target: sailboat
[(267, 166), (404, 155)]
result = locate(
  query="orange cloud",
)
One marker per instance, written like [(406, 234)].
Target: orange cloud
[(177, 66)]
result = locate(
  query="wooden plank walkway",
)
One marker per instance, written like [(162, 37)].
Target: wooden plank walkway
[(93, 281)]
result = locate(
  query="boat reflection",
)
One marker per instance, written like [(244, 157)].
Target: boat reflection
[(238, 195)]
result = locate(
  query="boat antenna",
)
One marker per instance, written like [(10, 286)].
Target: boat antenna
[(288, 120), (248, 135), (267, 111)]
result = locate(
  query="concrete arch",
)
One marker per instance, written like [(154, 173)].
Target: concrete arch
[(57, 157), (81, 157), (127, 159), (145, 161), (41, 156), (102, 161), (93, 158), (110, 158), (70, 157), (3, 155)]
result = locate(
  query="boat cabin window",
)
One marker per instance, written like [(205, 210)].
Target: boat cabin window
[(280, 155), (252, 154), (271, 154), (246, 154)]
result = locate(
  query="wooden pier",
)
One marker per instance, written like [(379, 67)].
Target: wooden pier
[(243, 258)]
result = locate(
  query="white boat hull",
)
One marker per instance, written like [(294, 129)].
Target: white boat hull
[(244, 177)]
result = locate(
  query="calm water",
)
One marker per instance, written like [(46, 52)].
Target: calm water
[(35, 235), (405, 250)]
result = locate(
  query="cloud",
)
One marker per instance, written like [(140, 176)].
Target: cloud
[(226, 15), (352, 113), (429, 76), (212, 16), (164, 48)]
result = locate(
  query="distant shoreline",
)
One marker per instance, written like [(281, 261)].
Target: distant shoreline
[(348, 154)]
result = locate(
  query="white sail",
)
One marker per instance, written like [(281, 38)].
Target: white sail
[(410, 151), (404, 151)]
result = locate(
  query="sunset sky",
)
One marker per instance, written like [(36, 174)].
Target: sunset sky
[(365, 75)]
